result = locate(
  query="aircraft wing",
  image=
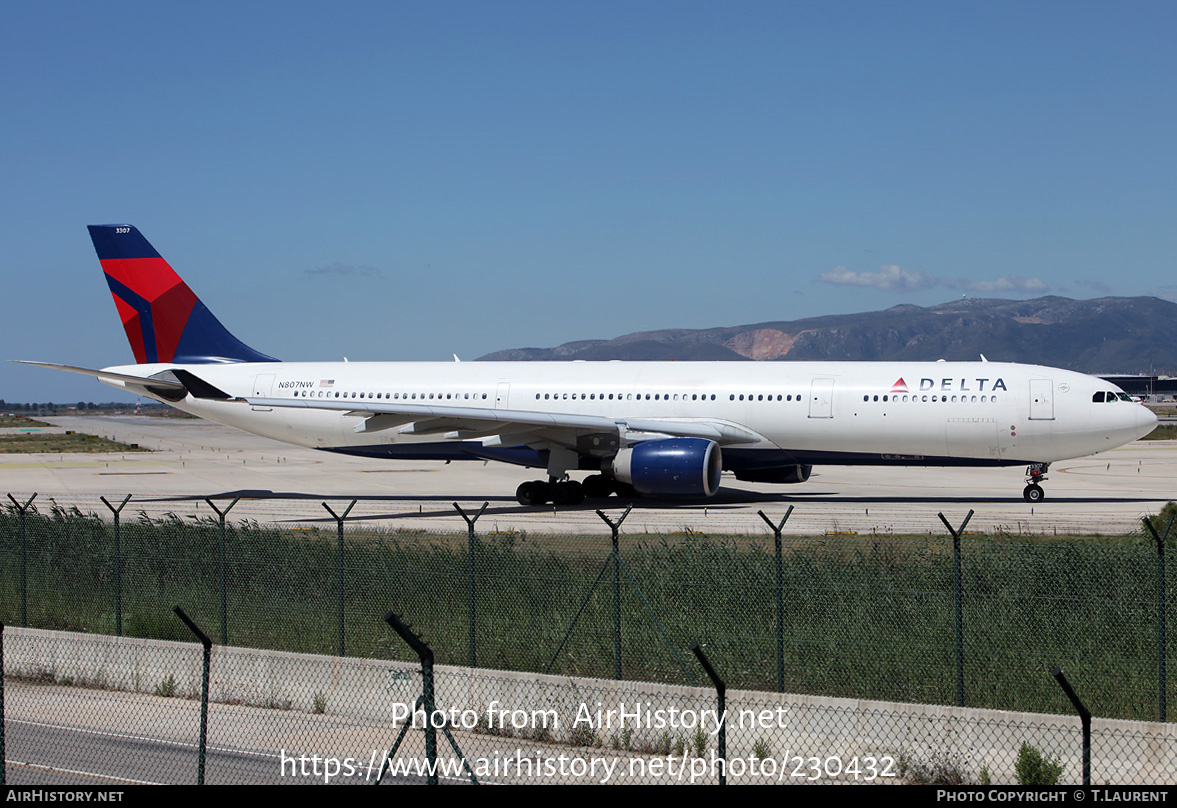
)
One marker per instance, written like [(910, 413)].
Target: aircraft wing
[(425, 419)]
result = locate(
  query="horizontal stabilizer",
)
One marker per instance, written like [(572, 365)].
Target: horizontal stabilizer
[(180, 383), (106, 375)]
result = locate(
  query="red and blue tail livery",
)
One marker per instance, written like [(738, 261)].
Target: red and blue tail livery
[(164, 320)]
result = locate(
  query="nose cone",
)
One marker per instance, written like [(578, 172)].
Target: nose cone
[(1146, 420)]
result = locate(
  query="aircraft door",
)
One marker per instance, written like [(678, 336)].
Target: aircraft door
[(821, 398), (263, 384), (1041, 400), (502, 395)]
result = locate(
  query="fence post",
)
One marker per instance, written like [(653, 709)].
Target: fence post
[(3, 765), (614, 527), (224, 610), (208, 645), (956, 534), (780, 598), (470, 520), (24, 608), (339, 535), (1084, 720), (721, 694), (1161, 673), (425, 653), (118, 569)]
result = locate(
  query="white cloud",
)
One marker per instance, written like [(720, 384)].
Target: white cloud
[(346, 270), (889, 278), (1006, 283)]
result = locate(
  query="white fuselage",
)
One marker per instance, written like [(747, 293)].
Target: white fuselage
[(903, 413)]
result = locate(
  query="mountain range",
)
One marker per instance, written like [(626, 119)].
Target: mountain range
[(1103, 335)]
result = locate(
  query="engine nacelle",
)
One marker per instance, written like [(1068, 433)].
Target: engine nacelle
[(678, 467), (776, 474)]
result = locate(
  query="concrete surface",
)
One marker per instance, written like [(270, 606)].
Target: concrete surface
[(266, 708), (1106, 493)]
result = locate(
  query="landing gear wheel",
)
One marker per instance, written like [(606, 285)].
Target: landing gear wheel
[(597, 486), (1033, 493), (626, 491), (532, 493), (568, 492)]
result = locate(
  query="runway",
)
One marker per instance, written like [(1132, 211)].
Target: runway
[(280, 483)]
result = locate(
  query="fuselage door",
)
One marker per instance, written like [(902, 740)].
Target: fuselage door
[(821, 399), (1041, 400), (502, 394), (263, 384)]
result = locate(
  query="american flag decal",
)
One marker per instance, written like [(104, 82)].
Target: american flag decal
[(327, 383)]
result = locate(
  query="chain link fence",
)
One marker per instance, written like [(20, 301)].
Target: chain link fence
[(977, 623), (129, 710)]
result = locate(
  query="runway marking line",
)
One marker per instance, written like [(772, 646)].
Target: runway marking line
[(128, 737), (92, 775)]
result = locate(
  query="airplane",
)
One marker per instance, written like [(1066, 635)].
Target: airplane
[(657, 429)]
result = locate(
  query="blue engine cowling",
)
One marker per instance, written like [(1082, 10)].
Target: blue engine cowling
[(678, 467)]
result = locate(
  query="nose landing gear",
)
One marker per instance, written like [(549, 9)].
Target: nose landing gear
[(1035, 475)]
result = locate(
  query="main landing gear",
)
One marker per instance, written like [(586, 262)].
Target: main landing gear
[(558, 492), (1035, 475), (571, 492)]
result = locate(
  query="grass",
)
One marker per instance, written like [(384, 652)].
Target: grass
[(69, 442), (865, 617), (1162, 432), (19, 422)]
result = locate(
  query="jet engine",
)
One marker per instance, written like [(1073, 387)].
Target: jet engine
[(677, 467)]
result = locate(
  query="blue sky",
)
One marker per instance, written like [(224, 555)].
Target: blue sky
[(407, 181)]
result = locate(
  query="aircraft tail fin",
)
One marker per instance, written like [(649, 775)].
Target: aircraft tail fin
[(164, 320)]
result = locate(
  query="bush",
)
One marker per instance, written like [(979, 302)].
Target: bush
[(1160, 522), (1035, 770)]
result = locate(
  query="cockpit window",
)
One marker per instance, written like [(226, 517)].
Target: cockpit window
[(1125, 397), (1098, 397)]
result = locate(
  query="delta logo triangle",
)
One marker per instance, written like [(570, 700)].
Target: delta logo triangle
[(899, 386)]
